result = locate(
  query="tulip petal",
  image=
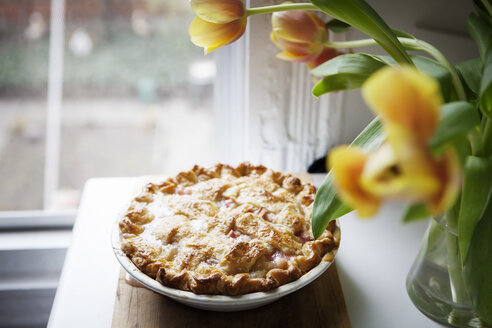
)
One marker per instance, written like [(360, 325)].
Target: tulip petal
[(405, 97), (347, 164), (294, 51), (299, 48), (449, 169), (219, 11), (211, 36), (412, 179), (299, 26), (289, 56), (325, 55)]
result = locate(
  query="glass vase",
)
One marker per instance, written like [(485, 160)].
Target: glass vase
[(435, 281)]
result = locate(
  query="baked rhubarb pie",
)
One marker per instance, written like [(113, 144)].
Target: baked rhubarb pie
[(225, 230)]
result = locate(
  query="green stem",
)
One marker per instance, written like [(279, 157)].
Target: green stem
[(411, 44), (487, 6), (351, 44), (282, 7), (455, 78), (487, 138), (476, 142), (455, 268)]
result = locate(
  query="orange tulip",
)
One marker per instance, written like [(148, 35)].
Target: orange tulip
[(300, 34), (325, 55), (403, 167), (219, 23)]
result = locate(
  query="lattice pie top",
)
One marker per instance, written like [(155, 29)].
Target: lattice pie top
[(225, 230)]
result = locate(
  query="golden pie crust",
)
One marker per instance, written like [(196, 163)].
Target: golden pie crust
[(225, 230)]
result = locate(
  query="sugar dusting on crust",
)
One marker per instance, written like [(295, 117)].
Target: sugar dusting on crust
[(225, 230)]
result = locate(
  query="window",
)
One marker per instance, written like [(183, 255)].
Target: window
[(88, 88), (126, 94)]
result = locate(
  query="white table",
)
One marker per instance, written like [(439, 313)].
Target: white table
[(373, 260)]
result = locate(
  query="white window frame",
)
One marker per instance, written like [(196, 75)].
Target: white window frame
[(264, 107), (47, 218), (54, 102)]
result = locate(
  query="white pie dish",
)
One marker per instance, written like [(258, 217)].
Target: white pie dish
[(213, 302)]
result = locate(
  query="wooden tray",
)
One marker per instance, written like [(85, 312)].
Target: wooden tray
[(320, 304)]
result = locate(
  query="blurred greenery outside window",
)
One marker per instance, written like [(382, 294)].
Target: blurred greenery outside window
[(137, 96)]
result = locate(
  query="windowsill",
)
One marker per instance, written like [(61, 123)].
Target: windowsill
[(22, 240)]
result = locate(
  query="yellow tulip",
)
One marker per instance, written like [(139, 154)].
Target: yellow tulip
[(219, 23), (405, 98), (211, 36), (300, 34), (347, 164), (413, 177), (219, 11), (449, 169), (403, 167)]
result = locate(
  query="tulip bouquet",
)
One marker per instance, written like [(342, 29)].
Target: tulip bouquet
[(430, 145)]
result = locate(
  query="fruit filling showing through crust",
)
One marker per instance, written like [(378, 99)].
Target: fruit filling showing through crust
[(225, 230)]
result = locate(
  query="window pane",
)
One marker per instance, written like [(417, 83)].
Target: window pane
[(24, 43), (137, 93)]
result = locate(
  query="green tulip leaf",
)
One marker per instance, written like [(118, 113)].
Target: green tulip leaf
[(486, 84), (471, 72), (476, 189), (457, 118), (401, 34), (462, 145), (371, 137), (363, 17), (345, 72), (327, 205), (350, 71), (482, 11), (481, 32), (337, 26), (438, 72), (477, 268), (416, 212)]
